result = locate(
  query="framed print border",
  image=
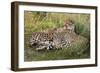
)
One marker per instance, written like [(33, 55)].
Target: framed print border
[(15, 33)]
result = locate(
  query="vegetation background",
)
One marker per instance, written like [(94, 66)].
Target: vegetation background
[(38, 21)]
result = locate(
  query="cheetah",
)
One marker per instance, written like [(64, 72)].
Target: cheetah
[(54, 38)]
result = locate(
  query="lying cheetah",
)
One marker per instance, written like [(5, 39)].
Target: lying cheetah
[(54, 38)]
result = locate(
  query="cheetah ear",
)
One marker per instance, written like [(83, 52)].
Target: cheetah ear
[(72, 22)]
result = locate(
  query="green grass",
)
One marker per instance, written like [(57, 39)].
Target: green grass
[(37, 21), (79, 50)]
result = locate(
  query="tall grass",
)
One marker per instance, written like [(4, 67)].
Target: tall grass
[(38, 21)]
